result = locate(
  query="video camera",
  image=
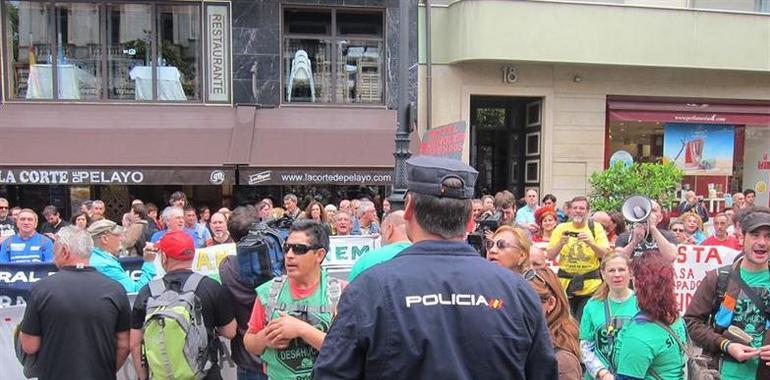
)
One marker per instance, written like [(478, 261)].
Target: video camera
[(485, 223), (260, 252)]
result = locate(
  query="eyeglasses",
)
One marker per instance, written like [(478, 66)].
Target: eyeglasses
[(677, 230), (532, 275), (500, 244), (3, 207), (298, 249)]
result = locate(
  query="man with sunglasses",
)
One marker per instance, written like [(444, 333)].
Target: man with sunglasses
[(292, 313), (438, 310), (7, 223)]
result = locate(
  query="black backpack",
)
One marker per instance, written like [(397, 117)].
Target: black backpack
[(260, 253)]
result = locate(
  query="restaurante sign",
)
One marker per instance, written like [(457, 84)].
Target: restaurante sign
[(217, 23)]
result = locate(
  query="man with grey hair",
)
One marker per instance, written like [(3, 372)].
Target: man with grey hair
[(173, 219), (77, 321), (290, 206), (97, 210), (366, 221), (107, 236)]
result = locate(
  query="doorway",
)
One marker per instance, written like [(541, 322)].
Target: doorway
[(506, 143)]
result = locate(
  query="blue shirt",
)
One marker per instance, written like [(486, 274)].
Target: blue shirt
[(525, 215), (160, 234), (438, 310), (34, 249), (107, 264), (200, 235)]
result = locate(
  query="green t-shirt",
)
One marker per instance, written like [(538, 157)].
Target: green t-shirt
[(752, 320), (296, 361), (643, 345), (592, 325), (378, 256)]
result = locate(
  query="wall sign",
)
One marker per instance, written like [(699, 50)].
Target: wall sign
[(509, 74), (315, 176), (115, 176), (218, 53)]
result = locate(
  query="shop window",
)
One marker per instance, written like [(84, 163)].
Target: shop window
[(333, 56), (102, 51), (643, 140)]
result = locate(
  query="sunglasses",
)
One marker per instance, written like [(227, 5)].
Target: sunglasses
[(3, 207), (533, 275), (298, 249), (500, 244), (677, 230)]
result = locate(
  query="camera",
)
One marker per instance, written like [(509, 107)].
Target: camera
[(486, 223), (571, 233)]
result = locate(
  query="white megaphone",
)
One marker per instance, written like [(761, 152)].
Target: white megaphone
[(637, 209)]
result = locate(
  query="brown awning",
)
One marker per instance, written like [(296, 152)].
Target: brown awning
[(113, 135), (312, 137), (702, 112)]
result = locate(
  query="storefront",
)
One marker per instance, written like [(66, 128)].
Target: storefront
[(722, 145)]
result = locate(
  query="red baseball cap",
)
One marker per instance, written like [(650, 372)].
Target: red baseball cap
[(177, 245)]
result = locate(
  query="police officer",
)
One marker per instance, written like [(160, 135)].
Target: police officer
[(438, 310)]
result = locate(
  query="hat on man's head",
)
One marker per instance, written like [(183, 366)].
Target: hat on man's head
[(755, 219), (177, 245), (429, 174), (103, 226)]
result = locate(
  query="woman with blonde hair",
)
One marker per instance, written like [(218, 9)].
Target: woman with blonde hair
[(561, 326), (610, 308), (509, 247), (693, 227)]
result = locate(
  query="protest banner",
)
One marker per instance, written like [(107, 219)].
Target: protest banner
[(444, 141), (16, 279), (344, 251), (692, 263), (206, 261)]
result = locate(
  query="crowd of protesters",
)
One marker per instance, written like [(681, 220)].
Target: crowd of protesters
[(409, 308)]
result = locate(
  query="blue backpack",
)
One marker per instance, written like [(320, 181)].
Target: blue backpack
[(260, 253)]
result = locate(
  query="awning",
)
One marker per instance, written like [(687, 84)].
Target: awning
[(116, 176), (701, 113), (313, 137), (315, 176)]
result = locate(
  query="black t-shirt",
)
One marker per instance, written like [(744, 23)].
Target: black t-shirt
[(243, 295), (47, 228), (646, 244), (216, 304), (77, 313)]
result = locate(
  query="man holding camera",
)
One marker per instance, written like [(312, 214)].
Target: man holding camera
[(694, 204), (729, 315), (580, 245)]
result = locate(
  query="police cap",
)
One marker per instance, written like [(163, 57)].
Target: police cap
[(427, 175)]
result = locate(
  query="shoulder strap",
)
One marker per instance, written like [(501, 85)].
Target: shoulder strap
[(192, 282), (671, 332), (608, 321), (723, 277), (591, 227), (753, 296), (272, 296), (157, 287)]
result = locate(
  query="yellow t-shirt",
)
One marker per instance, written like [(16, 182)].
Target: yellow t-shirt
[(578, 257)]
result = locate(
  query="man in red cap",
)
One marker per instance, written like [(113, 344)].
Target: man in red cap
[(177, 251)]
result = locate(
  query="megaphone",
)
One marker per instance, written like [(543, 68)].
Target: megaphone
[(637, 209)]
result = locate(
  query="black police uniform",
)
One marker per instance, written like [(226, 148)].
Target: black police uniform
[(438, 311)]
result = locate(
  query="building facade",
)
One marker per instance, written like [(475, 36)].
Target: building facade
[(552, 90), (227, 101)]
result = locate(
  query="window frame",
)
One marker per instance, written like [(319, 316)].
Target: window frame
[(334, 38), (104, 61)]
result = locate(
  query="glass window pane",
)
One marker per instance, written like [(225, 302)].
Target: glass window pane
[(298, 21), (359, 23), (79, 51), (644, 140), (129, 52), (179, 52), (29, 49), (359, 72), (308, 71)]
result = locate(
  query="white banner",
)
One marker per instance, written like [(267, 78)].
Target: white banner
[(344, 251), (692, 263)]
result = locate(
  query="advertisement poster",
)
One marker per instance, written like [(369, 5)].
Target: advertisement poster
[(700, 149), (756, 163)]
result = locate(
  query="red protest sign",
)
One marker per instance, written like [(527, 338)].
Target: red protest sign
[(444, 141)]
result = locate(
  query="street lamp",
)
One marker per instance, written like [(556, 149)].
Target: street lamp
[(406, 111)]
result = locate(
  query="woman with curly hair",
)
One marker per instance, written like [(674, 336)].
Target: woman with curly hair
[(561, 326), (693, 228), (509, 248), (315, 211), (648, 346), (610, 308)]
